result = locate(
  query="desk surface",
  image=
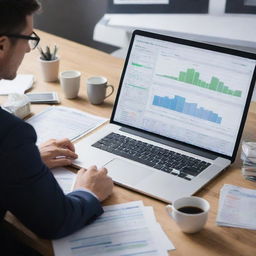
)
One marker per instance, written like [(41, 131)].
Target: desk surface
[(211, 241)]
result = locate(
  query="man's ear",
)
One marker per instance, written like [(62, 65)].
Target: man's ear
[(4, 45)]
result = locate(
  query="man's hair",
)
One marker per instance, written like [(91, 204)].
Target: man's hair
[(13, 14)]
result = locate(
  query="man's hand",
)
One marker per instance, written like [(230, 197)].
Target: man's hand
[(96, 181), (55, 153)]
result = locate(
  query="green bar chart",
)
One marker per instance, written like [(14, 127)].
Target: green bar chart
[(191, 76)]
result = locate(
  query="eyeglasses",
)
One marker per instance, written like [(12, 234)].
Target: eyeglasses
[(33, 40)]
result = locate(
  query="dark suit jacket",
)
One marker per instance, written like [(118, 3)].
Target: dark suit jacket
[(29, 190)]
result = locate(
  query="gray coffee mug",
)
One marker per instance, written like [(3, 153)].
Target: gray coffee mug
[(96, 89)]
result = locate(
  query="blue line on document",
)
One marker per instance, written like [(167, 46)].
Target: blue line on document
[(89, 245), (107, 247), (111, 234), (128, 243), (105, 219)]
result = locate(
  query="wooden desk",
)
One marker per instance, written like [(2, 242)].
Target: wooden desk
[(211, 241)]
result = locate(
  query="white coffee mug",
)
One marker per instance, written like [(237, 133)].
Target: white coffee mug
[(70, 83), (96, 89), (190, 213)]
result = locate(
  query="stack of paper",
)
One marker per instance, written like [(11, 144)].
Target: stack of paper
[(249, 160), (237, 207), (123, 229), (19, 85)]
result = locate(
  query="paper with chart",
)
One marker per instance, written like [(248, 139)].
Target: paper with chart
[(237, 207), (123, 229), (65, 178), (63, 122), (19, 85)]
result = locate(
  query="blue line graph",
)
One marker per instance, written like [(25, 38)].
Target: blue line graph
[(179, 104)]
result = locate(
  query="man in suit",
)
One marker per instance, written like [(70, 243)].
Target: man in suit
[(27, 186)]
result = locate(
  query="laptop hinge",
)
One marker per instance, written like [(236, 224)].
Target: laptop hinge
[(166, 142)]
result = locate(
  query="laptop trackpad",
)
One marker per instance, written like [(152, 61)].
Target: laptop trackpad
[(125, 172)]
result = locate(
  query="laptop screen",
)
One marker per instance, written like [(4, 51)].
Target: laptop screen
[(184, 92)]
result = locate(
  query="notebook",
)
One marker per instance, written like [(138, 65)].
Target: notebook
[(178, 116)]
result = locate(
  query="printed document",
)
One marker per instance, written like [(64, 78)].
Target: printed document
[(65, 178), (123, 229), (63, 122), (18, 85), (237, 207)]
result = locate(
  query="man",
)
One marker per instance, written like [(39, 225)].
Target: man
[(27, 186)]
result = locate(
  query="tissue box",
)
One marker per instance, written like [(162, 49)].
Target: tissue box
[(18, 105)]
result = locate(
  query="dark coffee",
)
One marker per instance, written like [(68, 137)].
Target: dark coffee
[(190, 210)]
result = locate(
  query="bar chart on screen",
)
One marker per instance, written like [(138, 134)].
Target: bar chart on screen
[(202, 76), (189, 116), (192, 77), (179, 104), (185, 106)]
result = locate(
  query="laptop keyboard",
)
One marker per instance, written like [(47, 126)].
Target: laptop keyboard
[(168, 161)]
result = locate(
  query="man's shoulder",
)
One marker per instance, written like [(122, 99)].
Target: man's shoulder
[(8, 118), (11, 124)]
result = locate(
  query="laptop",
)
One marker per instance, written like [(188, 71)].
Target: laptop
[(177, 119)]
